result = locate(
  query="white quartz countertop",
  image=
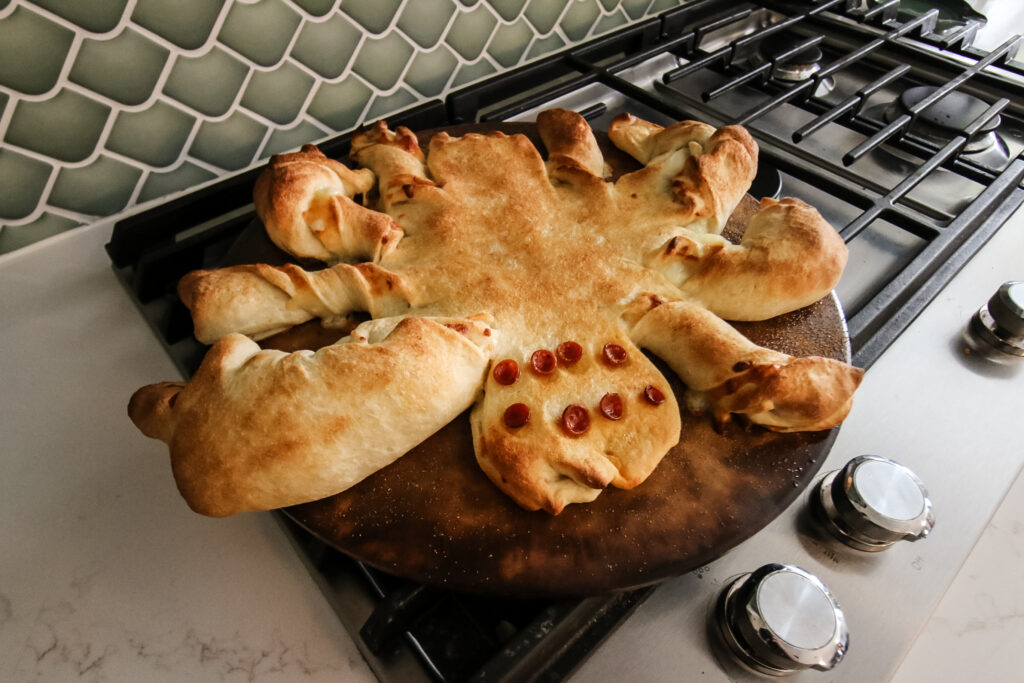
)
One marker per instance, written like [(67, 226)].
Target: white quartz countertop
[(105, 574)]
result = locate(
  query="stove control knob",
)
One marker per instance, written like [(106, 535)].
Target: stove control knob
[(779, 620), (872, 503), (996, 331)]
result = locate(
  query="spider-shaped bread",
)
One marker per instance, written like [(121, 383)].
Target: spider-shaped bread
[(495, 279)]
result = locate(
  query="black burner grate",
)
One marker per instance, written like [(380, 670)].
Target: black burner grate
[(458, 637)]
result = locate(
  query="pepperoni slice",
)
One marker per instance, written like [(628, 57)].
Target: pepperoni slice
[(543, 362), (506, 372), (575, 420), (611, 406), (569, 353), (517, 415), (654, 395), (613, 354)]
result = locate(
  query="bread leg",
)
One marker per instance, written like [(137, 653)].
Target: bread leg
[(397, 160), (726, 372), (306, 202), (573, 154), (706, 171), (259, 429), (789, 258), (262, 300)]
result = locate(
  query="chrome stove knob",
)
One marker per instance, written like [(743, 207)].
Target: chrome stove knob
[(1007, 308), (996, 331), (872, 503), (779, 620)]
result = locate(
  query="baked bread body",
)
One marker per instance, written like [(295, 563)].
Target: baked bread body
[(574, 273), (258, 429)]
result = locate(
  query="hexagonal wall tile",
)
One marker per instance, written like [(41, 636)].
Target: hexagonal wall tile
[(66, 126), (291, 139), (579, 18), (544, 15), (98, 189), (327, 47), (429, 71), (125, 68), (261, 31), (508, 9), (186, 23), (469, 73), (510, 42), (381, 61), (32, 51), (24, 180), (545, 46), (98, 16), (339, 105), (208, 83), (426, 20), (384, 105), (278, 94), (182, 177), (373, 15), (610, 22), (635, 8), (229, 144), (155, 135), (470, 32)]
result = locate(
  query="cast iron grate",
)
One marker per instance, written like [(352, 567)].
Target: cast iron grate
[(458, 637)]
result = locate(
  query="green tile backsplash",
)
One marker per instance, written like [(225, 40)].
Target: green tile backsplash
[(108, 103)]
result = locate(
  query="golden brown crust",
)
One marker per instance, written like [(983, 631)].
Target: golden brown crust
[(730, 374), (261, 300), (556, 256), (573, 152), (256, 430), (542, 466), (800, 395), (305, 202), (150, 409), (789, 258), (706, 171), (397, 160)]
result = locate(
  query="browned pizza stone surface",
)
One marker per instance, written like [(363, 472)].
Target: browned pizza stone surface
[(434, 517)]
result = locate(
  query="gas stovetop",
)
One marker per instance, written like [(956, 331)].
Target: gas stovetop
[(906, 138)]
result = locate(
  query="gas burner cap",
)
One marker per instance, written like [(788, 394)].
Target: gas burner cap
[(798, 67), (947, 117)]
